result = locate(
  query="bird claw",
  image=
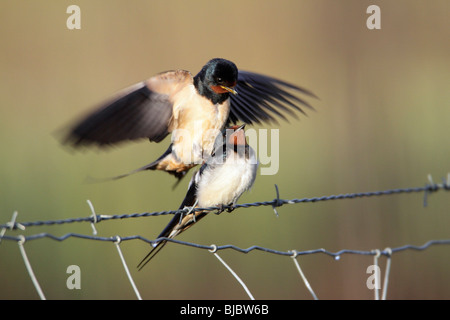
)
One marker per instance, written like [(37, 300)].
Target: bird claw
[(221, 208)]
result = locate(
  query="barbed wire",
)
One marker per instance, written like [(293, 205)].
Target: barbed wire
[(277, 202)]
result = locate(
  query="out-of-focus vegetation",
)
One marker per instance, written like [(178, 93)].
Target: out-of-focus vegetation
[(382, 121)]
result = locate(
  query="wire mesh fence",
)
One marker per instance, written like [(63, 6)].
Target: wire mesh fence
[(94, 219)]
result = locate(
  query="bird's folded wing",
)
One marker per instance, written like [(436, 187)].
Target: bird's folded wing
[(143, 110), (259, 98)]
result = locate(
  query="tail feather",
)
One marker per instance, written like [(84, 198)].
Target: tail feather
[(179, 222), (167, 231), (151, 254), (174, 228), (151, 166)]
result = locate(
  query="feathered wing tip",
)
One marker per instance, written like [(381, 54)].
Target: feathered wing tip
[(262, 98), (140, 111)]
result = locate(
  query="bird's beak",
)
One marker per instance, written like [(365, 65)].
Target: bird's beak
[(240, 127), (231, 90)]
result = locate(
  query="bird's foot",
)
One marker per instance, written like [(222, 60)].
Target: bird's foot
[(230, 208), (221, 208)]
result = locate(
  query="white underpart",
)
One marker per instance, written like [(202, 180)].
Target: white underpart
[(223, 184)]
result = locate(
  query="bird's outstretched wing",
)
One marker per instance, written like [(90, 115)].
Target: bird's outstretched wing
[(143, 110), (259, 98)]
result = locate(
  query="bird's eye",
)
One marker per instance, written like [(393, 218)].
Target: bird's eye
[(219, 80)]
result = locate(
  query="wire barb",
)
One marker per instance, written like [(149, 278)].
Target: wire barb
[(433, 187), (94, 217), (446, 182), (277, 202)]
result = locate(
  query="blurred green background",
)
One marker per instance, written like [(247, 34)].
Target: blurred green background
[(382, 121)]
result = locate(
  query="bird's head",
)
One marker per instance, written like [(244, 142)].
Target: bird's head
[(217, 79), (231, 140)]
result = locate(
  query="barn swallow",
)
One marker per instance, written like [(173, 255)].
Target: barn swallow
[(220, 181), (194, 109)]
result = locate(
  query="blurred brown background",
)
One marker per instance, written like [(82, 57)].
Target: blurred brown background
[(382, 122)]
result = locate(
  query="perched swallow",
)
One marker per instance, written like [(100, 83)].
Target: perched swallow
[(220, 181), (193, 108)]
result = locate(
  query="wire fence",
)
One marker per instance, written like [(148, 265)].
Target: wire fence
[(94, 219)]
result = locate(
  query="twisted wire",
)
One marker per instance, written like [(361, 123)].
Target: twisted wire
[(275, 203)]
